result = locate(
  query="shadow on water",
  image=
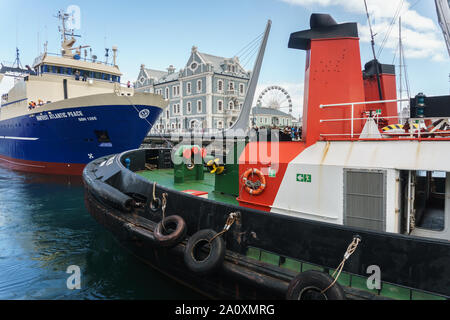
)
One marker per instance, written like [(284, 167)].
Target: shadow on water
[(44, 228)]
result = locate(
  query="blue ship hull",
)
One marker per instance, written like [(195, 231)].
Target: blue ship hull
[(64, 141)]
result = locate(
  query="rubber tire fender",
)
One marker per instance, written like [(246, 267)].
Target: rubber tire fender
[(213, 260), (317, 281), (175, 237), (155, 204)]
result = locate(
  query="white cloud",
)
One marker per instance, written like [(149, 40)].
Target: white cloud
[(421, 37)]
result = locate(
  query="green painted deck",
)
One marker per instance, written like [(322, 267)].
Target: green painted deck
[(164, 177)]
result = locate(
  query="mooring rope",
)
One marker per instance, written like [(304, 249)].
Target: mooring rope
[(163, 209), (232, 217), (350, 249), (151, 124)]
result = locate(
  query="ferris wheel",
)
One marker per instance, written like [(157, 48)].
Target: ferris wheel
[(275, 97)]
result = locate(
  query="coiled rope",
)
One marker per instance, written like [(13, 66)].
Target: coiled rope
[(350, 249)]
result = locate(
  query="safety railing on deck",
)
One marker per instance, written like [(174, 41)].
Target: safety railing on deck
[(414, 131)]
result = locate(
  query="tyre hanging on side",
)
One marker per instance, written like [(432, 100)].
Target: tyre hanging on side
[(202, 255), (312, 285), (170, 231)]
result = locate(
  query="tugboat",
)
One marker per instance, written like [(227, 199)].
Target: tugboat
[(66, 110), (348, 212)]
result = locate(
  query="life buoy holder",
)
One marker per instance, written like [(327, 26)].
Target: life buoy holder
[(254, 187)]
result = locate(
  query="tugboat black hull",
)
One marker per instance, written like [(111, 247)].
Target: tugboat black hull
[(120, 200)]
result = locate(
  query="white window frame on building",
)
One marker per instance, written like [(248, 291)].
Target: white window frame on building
[(241, 88), (188, 88), (231, 85), (220, 85), (188, 107), (219, 124), (167, 93), (230, 105), (219, 105), (192, 123), (199, 106), (199, 86)]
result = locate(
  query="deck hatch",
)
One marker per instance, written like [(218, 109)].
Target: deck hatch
[(365, 199)]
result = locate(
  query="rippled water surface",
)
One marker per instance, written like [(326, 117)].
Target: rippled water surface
[(44, 228)]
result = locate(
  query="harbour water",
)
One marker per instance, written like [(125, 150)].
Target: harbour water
[(45, 228)]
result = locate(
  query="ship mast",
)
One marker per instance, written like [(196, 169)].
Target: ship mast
[(67, 44), (373, 51), (400, 61)]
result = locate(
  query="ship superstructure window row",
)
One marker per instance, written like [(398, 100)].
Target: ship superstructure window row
[(81, 73)]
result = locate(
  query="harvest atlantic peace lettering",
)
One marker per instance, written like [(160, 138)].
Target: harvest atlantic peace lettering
[(61, 115)]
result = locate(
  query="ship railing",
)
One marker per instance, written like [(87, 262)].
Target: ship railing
[(82, 59), (352, 119)]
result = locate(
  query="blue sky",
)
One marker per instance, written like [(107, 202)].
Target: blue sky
[(160, 33)]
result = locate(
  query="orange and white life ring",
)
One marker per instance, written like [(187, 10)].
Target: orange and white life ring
[(254, 187)]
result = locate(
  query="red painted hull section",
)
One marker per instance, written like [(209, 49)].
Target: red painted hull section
[(71, 169)]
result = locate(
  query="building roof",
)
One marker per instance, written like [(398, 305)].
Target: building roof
[(156, 74), (269, 111), (215, 61)]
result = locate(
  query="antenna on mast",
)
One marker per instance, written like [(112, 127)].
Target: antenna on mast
[(372, 42), (17, 63)]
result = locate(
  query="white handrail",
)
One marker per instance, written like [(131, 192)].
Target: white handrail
[(358, 103)]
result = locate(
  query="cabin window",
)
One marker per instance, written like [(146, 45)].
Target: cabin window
[(365, 199), (429, 200)]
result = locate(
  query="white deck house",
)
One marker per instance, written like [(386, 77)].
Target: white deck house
[(207, 94)]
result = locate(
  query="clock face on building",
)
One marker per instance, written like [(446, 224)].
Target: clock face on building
[(142, 79), (194, 65)]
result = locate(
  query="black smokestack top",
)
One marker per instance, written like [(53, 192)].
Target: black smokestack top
[(323, 26), (320, 20)]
